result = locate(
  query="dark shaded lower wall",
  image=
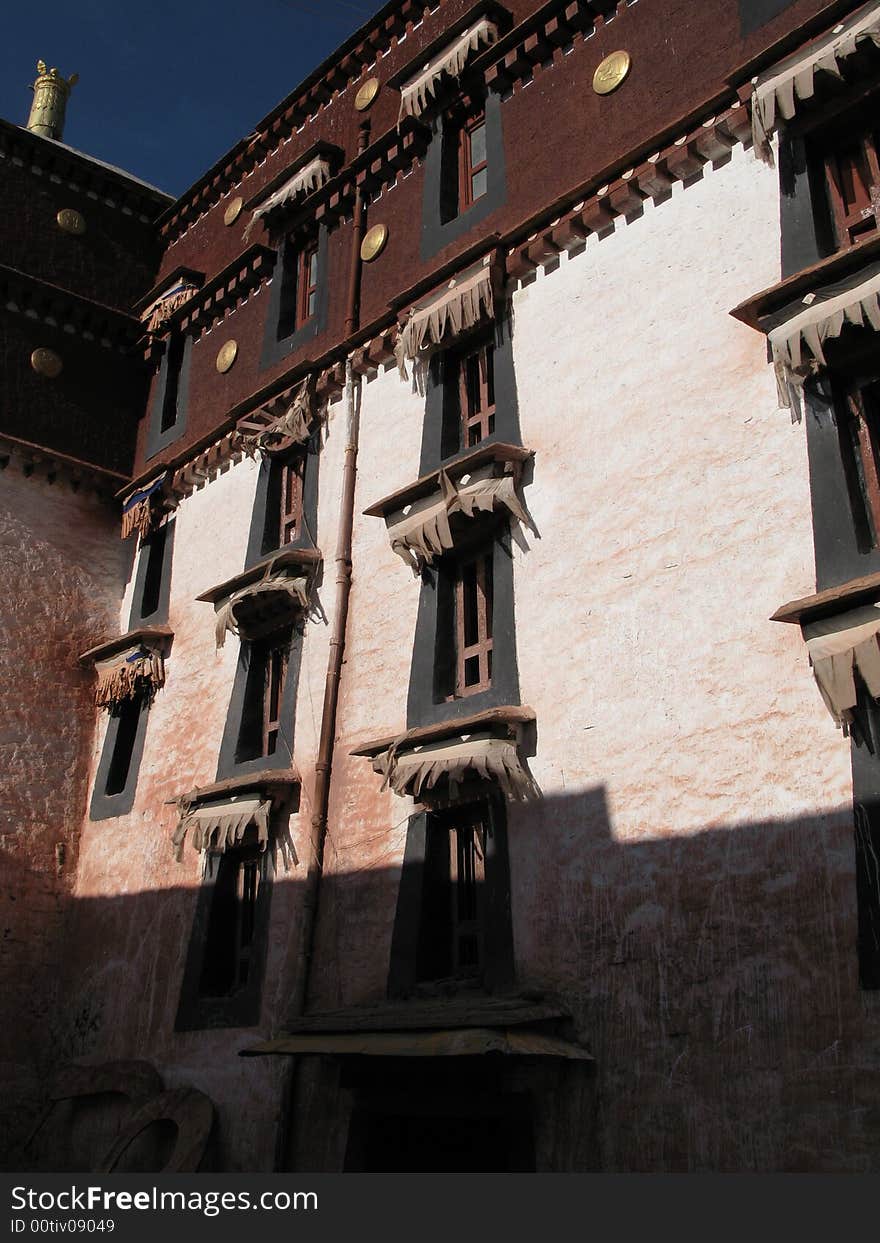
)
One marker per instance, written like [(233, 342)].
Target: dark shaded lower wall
[(712, 975)]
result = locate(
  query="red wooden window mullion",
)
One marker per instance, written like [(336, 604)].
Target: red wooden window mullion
[(852, 174), (866, 436), (467, 169), (306, 284), (467, 877), (473, 626), (291, 499), (247, 886), (276, 667), (477, 395)]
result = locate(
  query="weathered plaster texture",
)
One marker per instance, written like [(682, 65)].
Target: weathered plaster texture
[(62, 572)]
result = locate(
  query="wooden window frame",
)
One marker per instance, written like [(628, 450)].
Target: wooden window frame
[(859, 430), (306, 283), (480, 648), (277, 657), (467, 169), (476, 400), (460, 893), (831, 136), (238, 942), (291, 467), (852, 222)]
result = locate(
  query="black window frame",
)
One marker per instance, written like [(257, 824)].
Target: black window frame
[(171, 387), (106, 804)]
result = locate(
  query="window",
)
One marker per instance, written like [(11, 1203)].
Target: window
[(229, 945), (846, 177), (171, 395), (299, 286), (453, 908), (473, 165), (127, 716), (284, 500), (858, 421), (464, 632), (469, 398), (452, 926), (264, 692)]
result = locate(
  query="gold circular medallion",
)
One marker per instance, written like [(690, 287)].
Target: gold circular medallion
[(374, 243), (611, 72), (71, 221), (227, 356), (46, 362), (367, 92), (233, 211)]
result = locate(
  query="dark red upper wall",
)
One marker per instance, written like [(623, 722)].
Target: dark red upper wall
[(558, 136)]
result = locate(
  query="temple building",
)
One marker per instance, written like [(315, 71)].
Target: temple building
[(442, 563)]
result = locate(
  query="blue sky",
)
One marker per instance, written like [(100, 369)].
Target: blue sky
[(166, 86)]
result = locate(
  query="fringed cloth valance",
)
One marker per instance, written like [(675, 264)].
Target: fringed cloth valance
[(135, 671), (797, 342), (779, 90), (284, 421), (157, 314), (416, 771), (220, 824), (415, 94), (421, 531), (466, 301), (261, 607), (311, 177), (142, 509), (840, 647)]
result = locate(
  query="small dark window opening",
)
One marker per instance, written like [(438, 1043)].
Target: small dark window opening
[(229, 945), (128, 714), (299, 286), (264, 694), (154, 548), (848, 165), (469, 398), (451, 930), (172, 381), (284, 500), (858, 422)]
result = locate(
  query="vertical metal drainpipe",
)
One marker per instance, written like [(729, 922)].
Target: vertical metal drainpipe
[(323, 764)]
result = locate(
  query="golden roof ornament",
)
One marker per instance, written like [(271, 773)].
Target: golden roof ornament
[(50, 102)]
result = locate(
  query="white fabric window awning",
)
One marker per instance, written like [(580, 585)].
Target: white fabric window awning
[(779, 91), (157, 314), (420, 89), (283, 421), (257, 609), (220, 824), (136, 670), (465, 301), (306, 179), (797, 343), (841, 647), (416, 770), (420, 532)]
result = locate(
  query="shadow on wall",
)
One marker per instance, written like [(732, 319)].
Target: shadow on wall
[(712, 975)]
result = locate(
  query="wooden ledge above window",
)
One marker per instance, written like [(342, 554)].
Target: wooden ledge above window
[(318, 150), (269, 781), (483, 8), (826, 272), (424, 486), (149, 636), (511, 716), (436, 1013), (848, 595), (289, 558)]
